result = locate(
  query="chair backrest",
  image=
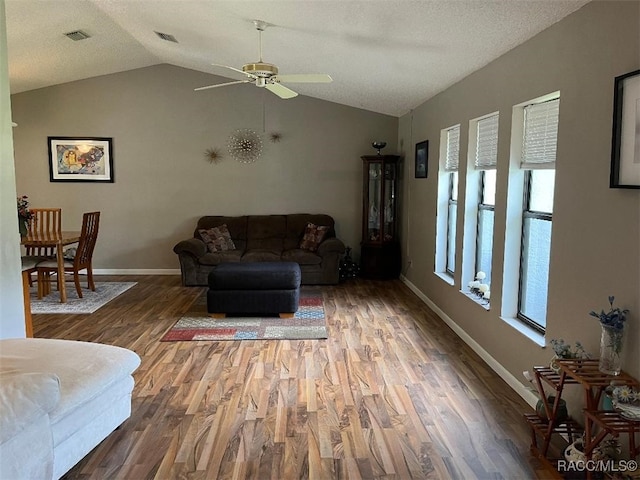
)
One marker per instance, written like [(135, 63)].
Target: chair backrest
[(44, 221), (88, 237)]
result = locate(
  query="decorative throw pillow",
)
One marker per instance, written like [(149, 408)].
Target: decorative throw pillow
[(313, 236), (218, 239)]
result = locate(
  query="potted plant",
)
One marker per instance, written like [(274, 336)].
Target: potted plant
[(565, 350), (541, 410)]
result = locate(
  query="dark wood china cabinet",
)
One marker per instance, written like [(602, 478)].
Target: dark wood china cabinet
[(380, 248)]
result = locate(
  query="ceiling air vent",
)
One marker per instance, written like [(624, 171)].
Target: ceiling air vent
[(77, 35), (167, 37)]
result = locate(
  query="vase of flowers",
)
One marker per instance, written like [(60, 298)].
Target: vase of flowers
[(24, 215), (612, 338)]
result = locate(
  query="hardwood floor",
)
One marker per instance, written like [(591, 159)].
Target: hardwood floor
[(392, 394)]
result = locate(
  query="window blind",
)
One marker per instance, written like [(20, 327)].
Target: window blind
[(453, 149), (540, 135), (487, 143)]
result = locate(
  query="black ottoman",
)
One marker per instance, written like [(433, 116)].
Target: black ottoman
[(254, 288)]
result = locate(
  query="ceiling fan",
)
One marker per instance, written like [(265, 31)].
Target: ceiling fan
[(263, 74)]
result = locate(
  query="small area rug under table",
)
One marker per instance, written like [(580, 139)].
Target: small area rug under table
[(308, 323), (89, 303)]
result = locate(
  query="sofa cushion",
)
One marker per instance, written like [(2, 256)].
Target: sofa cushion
[(261, 255), (297, 223), (266, 232), (302, 257), (313, 236), (221, 257), (237, 227), (218, 239)]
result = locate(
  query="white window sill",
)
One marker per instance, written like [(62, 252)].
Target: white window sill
[(533, 335), (479, 301), (445, 276)]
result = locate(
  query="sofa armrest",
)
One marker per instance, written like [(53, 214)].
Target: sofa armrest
[(24, 397), (194, 246), (331, 245)]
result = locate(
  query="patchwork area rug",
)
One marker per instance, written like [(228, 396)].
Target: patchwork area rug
[(308, 323), (89, 303)]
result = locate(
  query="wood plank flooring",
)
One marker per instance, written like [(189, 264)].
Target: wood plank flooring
[(392, 394)]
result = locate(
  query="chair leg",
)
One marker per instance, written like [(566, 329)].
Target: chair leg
[(47, 283), (92, 285), (76, 279), (40, 284)]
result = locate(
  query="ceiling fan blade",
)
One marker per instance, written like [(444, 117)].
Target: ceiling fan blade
[(221, 85), (280, 90), (250, 75), (304, 78)]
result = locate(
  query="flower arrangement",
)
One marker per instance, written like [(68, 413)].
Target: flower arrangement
[(23, 207), (612, 337), (614, 318), (24, 214), (480, 289)]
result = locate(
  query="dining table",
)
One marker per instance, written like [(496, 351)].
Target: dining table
[(58, 240)]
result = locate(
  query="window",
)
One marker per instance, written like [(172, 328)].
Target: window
[(486, 161), (451, 166), (452, 218), (486, 215), (540, 134)]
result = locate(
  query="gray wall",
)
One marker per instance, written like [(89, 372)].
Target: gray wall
[(596, 233), (163, 183)]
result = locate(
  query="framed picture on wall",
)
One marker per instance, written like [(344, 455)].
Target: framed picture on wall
[(81, 159), (422, 159), (625, 144)]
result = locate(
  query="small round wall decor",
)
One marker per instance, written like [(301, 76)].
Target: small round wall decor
[(245, 145)]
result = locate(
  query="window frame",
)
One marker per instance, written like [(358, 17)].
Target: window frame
[(451, 202), (528, 213), (482, 207)]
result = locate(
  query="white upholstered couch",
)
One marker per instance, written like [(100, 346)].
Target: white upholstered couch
[(58, 400)]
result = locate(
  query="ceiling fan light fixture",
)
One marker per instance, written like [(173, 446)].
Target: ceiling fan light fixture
[(260, 69), (265, 75)]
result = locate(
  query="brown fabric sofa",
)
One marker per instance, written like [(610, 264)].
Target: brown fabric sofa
[(263, 238)]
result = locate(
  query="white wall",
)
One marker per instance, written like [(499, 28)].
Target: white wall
[(11, 307), (596, 230), (161, 128)]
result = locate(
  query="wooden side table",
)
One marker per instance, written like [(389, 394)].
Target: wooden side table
[(547, 428), (594, 383)]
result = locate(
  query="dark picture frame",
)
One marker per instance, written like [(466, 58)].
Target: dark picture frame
[(422, 159), (80, 159), (625, 143)]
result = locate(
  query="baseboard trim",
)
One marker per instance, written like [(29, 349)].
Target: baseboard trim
[(133, 271), (496, 366)]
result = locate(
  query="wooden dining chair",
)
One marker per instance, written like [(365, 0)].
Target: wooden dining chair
[(82, 260), (43, 222)]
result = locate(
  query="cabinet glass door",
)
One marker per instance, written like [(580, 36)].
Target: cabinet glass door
[(375, 200), (389, 201)]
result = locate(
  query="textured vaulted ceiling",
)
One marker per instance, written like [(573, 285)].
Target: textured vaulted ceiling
[(384, 56)]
